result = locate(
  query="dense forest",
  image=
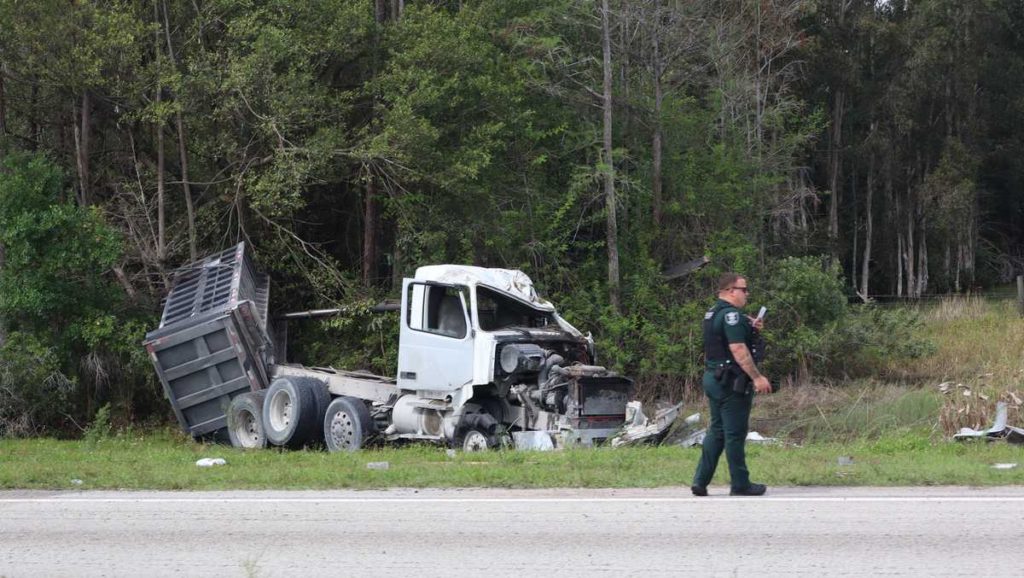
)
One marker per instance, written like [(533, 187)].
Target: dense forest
[(835, 151)]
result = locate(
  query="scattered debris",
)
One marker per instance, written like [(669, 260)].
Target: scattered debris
[(999, 429), (450, 453), (377, 465), (1004, 466), (210, 462), (76, 482), (694, 439), (533, 440), (760, 439), (639, 428), (845, 460)]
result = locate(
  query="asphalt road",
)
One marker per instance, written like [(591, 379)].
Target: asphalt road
[(558, 533)]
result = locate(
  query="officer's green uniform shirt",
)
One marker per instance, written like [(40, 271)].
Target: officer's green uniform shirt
[(731, 322)]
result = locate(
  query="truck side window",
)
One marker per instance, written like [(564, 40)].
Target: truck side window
[(437, 309)]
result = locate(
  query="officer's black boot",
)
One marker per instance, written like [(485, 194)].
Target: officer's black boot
[(751, 490)]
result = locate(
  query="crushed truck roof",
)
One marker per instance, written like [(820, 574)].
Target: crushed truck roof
[(511, 281)]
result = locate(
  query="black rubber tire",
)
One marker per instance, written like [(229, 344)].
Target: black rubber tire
[(476, 432), (245, 421), (347, 425), (322, 398), (289, 413)]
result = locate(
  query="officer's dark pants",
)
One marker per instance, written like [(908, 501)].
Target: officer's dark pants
[(730, 417)]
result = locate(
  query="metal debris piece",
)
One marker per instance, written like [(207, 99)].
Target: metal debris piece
[(999, 429), (639, 428), (1004, 466), (845, 460), (533, 440), (210, 462), (76, 482), (377, 465), (757, 438), (694, 439)]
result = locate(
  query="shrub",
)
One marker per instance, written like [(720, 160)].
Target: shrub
[(34, 392)]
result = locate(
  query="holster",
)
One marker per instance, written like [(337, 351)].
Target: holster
[(740, 382), (735, 377)]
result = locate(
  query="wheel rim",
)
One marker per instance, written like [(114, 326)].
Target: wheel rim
[(475, 441), (247, 430), (343, 430), (280, 410)]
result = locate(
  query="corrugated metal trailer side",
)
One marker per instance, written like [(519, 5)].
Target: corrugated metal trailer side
[(203, 365)]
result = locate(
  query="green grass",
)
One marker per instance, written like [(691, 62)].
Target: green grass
[(164, 461)]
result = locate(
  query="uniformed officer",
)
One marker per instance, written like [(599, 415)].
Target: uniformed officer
[(728, 335)]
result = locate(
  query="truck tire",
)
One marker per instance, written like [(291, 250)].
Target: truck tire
[(322, 399), (289, 412), (476, 433), (245, 420), (347, 424)]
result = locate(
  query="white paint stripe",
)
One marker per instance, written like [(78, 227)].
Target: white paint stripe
[(746, 501)]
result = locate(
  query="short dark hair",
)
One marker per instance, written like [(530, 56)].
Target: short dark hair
[(727, 280)]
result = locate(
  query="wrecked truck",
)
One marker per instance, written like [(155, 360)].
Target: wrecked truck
[(482, 359)]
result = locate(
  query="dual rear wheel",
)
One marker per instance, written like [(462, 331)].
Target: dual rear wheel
[(297, 412)]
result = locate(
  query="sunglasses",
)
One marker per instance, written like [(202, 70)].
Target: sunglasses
[(744, 289)]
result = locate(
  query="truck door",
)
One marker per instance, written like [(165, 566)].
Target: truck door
[(435, 347)]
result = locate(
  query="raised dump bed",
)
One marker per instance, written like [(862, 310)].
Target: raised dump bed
[(213, 342)]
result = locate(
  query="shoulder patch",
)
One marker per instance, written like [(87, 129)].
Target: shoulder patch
[(732, 317)]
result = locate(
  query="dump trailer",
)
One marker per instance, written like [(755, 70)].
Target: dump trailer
[(482, 358)]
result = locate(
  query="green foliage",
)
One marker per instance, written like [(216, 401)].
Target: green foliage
[(812, 330), (357, 339), (55, 297), (100, 428), (56, 254), (34, 392)]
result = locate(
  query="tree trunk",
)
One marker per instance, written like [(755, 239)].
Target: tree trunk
[(868, 228), (371, 220), (908, 256), (3, 327), (370, 226), (835, 165), (656, 140), (161, 242), (899, 263), (182, 152), (3, 101), (922, 255), (33, 118), (82, 149), (609, 169)]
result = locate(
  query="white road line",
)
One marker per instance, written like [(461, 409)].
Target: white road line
[(278, 500)]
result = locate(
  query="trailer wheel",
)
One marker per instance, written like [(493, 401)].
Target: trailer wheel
[(347, 424), (477, 433), (322, 399), (289, 412), (245, 420)]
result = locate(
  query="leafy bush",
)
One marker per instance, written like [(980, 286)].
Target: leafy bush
[(56, 298), (812, 329), (33, 390)]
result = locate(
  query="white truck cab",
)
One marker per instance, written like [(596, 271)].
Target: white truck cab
[(480, 344)]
